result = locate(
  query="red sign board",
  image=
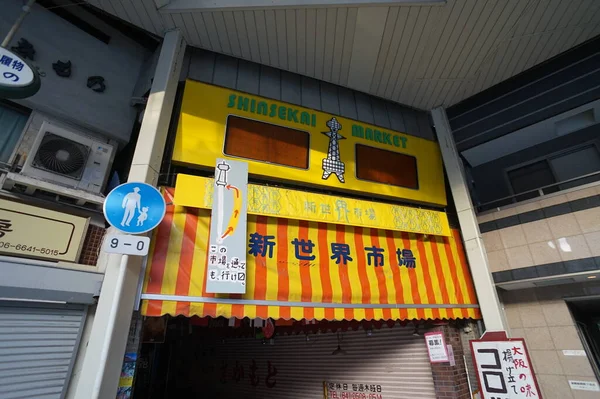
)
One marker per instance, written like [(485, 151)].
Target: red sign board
[(504, 369)]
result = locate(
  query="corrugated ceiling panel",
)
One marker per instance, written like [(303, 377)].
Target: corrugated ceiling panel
[(422, 56), (301, 40), (290, 32), (232, 33), (348, 43)]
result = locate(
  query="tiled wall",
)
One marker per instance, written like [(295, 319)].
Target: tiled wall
[(557, 234), (542, 317)]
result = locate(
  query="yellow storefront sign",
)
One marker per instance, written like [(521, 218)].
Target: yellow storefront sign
[(327, 146), (197, 192)]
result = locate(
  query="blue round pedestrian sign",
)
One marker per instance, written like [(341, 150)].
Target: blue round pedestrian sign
[(134, 208)]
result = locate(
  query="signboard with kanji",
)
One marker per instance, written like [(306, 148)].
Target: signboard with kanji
[(504, 369)]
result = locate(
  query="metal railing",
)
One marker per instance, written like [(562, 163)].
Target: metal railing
[(539, 191)]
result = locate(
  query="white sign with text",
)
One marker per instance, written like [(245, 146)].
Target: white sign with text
[(436, 347), (126, 244), (504, 369)]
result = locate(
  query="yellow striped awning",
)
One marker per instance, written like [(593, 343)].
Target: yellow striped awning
[(341, 273)]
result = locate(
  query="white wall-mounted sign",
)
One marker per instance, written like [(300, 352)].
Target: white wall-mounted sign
[(17, 78), (126, 244), (226, 271), (436, 347), (584, 385), (504, 369)]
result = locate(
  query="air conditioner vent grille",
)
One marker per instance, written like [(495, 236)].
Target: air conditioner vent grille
[(60, 155)]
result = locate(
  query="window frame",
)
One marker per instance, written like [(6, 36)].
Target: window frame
[(260, 161), (26, 112), (417, 188), (548, 157)]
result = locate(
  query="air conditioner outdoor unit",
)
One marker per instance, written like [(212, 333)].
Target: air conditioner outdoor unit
[(69, 159)]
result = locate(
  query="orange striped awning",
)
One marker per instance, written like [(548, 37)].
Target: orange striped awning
[(374, 283)]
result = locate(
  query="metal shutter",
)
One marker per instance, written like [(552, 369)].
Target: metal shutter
[(38, 343), (390, 357)]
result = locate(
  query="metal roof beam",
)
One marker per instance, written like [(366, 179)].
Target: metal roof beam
[(180, 6)]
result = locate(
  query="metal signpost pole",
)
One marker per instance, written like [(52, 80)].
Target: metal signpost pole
[(103, 359), (17, 24)]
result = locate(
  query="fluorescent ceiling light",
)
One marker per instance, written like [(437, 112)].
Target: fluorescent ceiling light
[(179, 6)]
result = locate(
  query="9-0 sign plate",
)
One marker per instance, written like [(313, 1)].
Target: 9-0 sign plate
[(126, 244)]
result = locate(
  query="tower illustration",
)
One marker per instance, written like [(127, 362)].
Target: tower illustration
[(333, 164)]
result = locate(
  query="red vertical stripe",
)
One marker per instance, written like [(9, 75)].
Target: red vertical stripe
[(362, 271), (464, 264), (393, 264), (454, 273), (426, 274), (305, 265), (260, 287), (186, 259), (440, 269), (324, 259), (210, 309), (414, 283), (340, 237), (465, 269), (161, 250), (154, 308), (380, 272), (237, 311), (283, 280)]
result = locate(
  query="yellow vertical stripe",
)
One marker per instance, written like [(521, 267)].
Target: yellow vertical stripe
[(353, 276), (198, 272), (459, 272), (371, 273), (452, 297), (250, 311), (293, 266), (151, 251), (170, 275), (391, 269), (407, 294), (144, 307), (419, 269)]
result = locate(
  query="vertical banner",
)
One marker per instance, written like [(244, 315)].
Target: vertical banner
[(504, 369), (226, 271)]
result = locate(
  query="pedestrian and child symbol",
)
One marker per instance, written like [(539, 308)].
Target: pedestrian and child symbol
[(134, 208), (131, 202)]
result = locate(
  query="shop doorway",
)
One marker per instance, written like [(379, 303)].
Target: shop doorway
[(220, 358), (586, 312)]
